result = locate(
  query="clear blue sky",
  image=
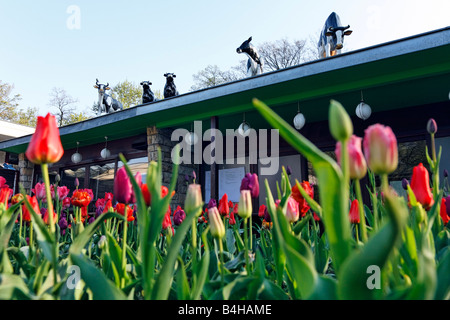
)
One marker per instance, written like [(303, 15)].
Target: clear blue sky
[(142, 40)]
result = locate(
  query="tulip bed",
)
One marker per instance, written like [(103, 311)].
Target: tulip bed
[(390, 248)]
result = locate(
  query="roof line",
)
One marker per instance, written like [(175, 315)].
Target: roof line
[(415, 43)]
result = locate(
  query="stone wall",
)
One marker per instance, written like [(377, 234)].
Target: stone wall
[(26, 173), (161, 138)]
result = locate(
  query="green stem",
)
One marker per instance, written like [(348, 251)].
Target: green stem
[(222, 270), (247, 263), (20, 226), (251, 232), (362, 216), (124, 248), (357, 232), (44, 167)]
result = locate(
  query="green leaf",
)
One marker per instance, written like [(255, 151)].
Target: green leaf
[(12, 287), (164, 279), (333, 192), (101, 287), (202, 268), (84, 237), (443, 277), (182, 282), (354, 274)]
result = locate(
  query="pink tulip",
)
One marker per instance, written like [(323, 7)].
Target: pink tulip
[(380, 149), (39, 190), (122, 187), (250, 182), (292, 210), (63, 192), (357, 163)]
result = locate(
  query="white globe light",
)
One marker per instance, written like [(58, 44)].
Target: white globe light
[(76, 157), (191, 138), (105, 153), (363, 111), (244, 129), (299, 121)]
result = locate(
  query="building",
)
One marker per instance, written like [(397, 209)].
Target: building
[(405, 82), (9, 162)]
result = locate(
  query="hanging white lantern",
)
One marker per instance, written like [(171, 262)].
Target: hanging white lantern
[(105, 153), (299, 121), (76, 157), (363, 110), (244, 129)]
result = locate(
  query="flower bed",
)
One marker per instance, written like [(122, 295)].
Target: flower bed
[(134, 247)]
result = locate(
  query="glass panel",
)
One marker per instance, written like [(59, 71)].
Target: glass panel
[(68, 178), (137, 165), (101, 179)]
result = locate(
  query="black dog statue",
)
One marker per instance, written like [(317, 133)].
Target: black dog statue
[(170, 90), (254, 63), (147, 93)]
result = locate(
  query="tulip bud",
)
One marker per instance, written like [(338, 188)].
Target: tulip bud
[(122, 187), (77, 182), (179, 216), (405, 184), (341, 126), (354, 212), (215, 223), (57, 178), (193, 198), (380, 149), (102, 242), (212, 203), (292, 212), (420, 185), (431, 126), (245, 204), (445, 173), (250, 182), (357, 163)]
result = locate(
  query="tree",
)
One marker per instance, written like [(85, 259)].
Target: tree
[(76, 117), (128, 93), (8, 103), (27, 117), (63, 102), (212, 76), (282, 54)]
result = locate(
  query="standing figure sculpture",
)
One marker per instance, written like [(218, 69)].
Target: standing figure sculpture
[(254, 63), (147, 93), (106, 103), (331, 39), (170, 89)]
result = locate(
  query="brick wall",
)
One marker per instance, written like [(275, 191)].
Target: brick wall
[(26, 173), (161, 138)]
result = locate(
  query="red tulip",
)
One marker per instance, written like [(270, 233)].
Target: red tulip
[(224, 209), (303, 204), (354, 212), (167, 222), (357, 163), (26, 215), (45, 145), (420, 185), (232, 219), (444, 211), (81, 198), (380, 149), (120, 208), (5, 192), (262, 211), (46, 217)]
